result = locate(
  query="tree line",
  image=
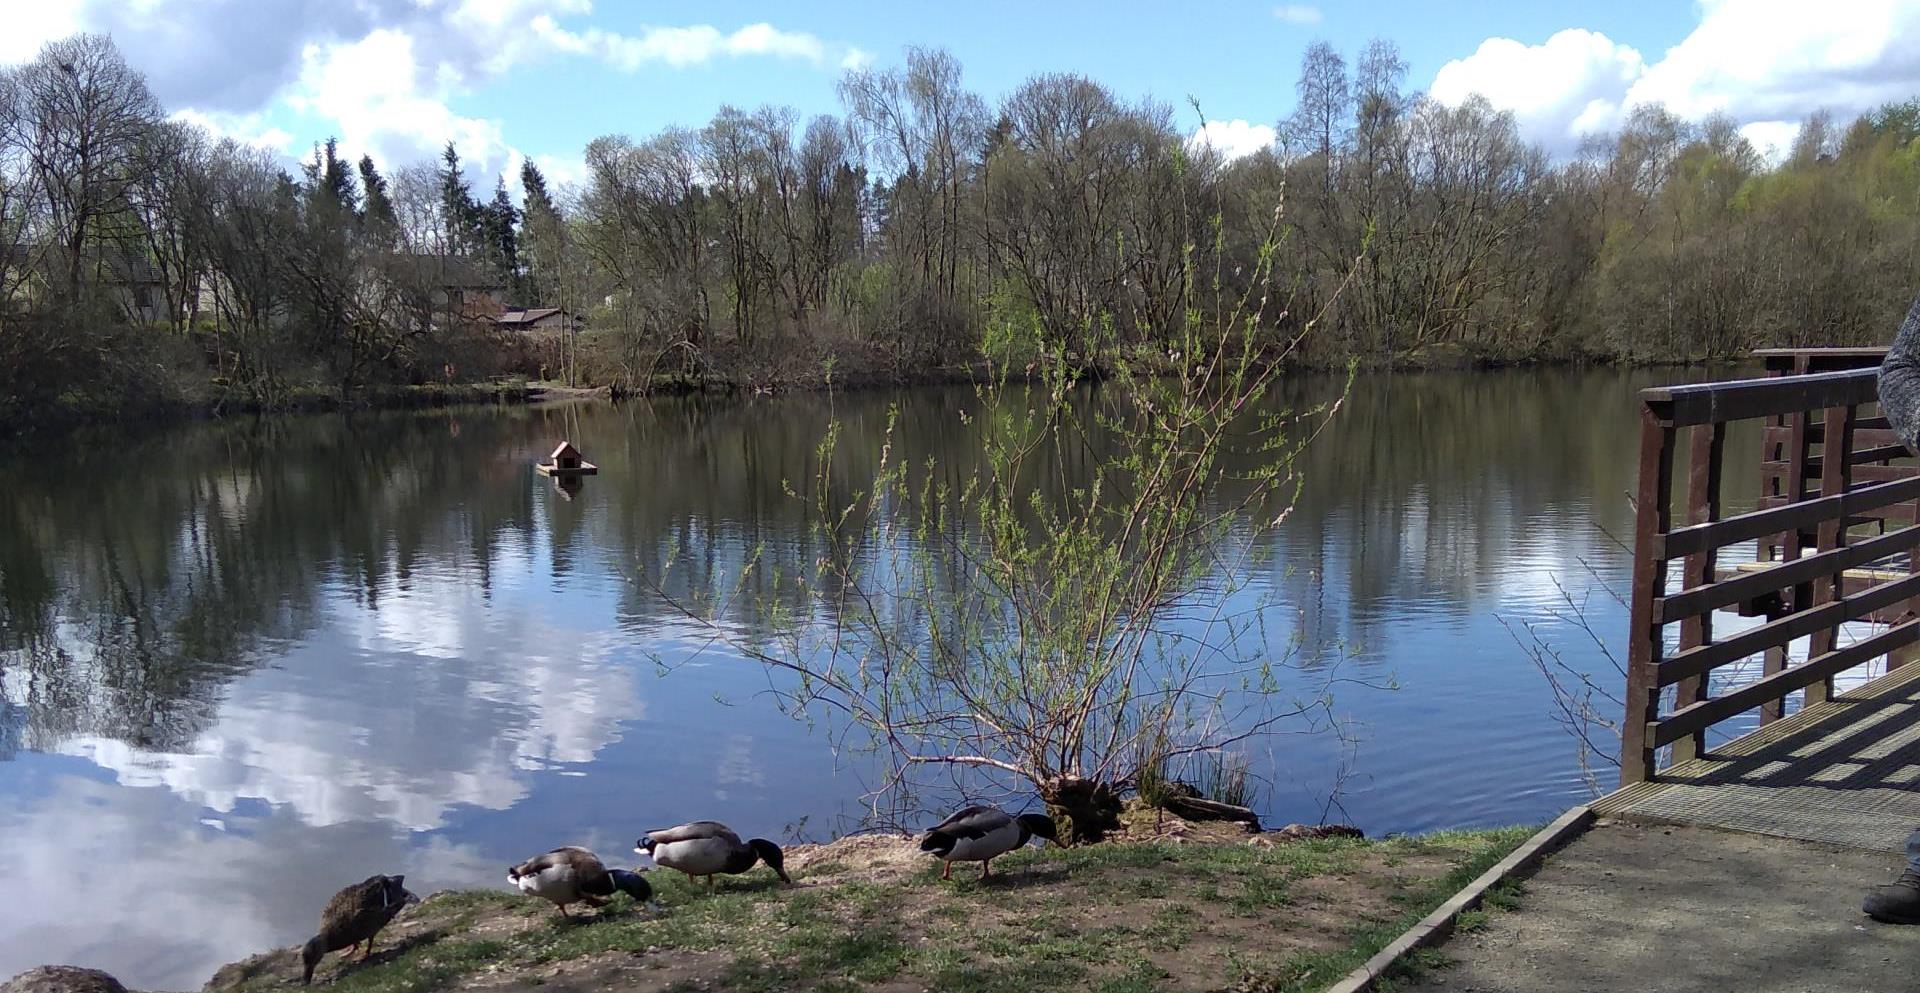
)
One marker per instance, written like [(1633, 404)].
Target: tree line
[(144, 260)]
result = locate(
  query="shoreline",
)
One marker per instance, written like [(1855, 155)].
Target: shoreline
[(61, 421), (1167, 905), (1179, 906)]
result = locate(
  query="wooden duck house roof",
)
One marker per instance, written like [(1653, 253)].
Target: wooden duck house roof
[(566, 461)]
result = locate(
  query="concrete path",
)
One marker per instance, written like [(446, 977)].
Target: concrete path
[(1653, 909)]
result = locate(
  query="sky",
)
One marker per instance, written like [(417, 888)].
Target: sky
[(510, 79)]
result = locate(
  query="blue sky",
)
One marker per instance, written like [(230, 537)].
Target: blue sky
[(512, 78)]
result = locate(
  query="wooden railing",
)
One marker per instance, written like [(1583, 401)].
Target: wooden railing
[(1835, 531)]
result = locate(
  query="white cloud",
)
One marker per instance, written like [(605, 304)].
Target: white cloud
[(1784, 59), (32, 24), (300, 735), (1297, 13), (1765, 63), (1233, 139), (1772, 139), (247, 129), (561, 171), (169, 895), (385, 101), (1568, 86), (686, 46), (382, 75)]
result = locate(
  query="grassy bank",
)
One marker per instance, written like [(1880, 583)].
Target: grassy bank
[(869, 913)]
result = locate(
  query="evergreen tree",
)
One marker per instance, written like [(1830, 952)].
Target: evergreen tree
[(460, 215), (330, 179), (541, 235), (378, 204), (497, 221), (534, 182)]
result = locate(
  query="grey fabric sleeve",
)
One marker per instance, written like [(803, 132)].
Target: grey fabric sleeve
[(1900, 381)]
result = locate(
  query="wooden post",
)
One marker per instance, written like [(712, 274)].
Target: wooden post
[(1835, 474), (1799, 446), (1792, 485), (1774, 661), (1651, 520), (1709, 442)]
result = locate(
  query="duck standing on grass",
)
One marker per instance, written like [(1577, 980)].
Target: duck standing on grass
[(704, 848), (575, 875), (982, 834), (354, 915)]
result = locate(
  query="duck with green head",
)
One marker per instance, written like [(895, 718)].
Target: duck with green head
[(576, 875), (707, 848), (982, 834)]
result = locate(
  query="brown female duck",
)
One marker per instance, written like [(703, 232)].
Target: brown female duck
[(355, 915)]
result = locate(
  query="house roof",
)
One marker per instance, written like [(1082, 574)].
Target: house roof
[(529, 315)]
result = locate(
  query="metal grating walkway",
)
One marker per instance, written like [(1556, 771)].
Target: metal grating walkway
[(1844, 773)]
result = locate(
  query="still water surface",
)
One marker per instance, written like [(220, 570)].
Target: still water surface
[(243, 664)]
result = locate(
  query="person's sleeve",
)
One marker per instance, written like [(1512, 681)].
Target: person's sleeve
[(1900, 381)]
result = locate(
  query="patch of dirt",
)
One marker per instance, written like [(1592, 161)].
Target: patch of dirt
[(653, 971), (864, 857)]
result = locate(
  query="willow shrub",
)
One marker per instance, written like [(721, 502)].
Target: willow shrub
[(1071, 610)]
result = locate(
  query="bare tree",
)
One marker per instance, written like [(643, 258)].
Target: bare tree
[(86, 115)]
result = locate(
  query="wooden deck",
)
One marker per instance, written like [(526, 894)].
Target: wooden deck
[(1836, 547), (1837, 579), (1766, 840), (1845, 772)]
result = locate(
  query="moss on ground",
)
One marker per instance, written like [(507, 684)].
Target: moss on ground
[(1117, 918)]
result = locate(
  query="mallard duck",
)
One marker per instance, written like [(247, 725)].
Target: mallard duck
[(703, 848), (354, 915), (575, 875), (982, 834)]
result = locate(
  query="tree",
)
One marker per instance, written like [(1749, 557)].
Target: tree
[(1325, 102), (85, 114), (542, 232), (499, 221), (172, 172), (959, 623), (246, 226), (922, 125), (460, 215), (377, 211), (645, 221)]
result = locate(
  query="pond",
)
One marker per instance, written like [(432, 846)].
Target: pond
[(245, 663)]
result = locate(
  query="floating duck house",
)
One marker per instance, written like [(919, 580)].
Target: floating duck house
[(566, 461)]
